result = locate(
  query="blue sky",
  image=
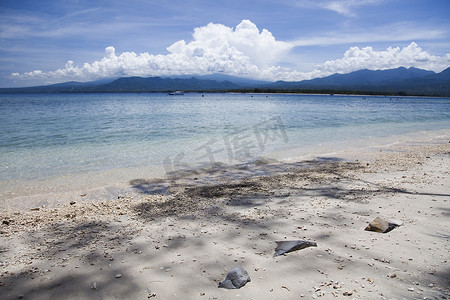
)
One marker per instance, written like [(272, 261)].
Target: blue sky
[(43, 42)]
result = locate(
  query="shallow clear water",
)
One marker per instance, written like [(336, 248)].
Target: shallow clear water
[(48, 135)]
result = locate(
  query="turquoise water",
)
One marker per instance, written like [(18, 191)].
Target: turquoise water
[(48, 135)]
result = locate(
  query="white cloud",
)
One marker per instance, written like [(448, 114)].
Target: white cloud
[(343, 7), (393, 32), (367, 58), (243, 51), (215, 48)]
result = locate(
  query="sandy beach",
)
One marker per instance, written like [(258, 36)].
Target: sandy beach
[(177, 237)]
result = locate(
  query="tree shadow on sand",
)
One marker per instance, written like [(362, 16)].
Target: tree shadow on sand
[(81, 250), (96, 239), (254, 185)]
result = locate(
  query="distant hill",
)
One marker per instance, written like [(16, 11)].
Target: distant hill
[(400, 81), (158, 84), (130, 84), (434, 85), (361, 78), (242, 82)]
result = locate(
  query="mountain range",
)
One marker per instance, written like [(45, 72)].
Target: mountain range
[(410, 81), (400, 81)]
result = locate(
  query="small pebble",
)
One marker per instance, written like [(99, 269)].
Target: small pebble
[(348, 293), (118, 275)]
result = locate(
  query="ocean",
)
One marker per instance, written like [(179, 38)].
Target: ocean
[(47, 137)]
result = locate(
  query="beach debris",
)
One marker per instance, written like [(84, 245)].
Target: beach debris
[(383, 226), (118, 275), (284, 247), (348, 293), (236, 278)]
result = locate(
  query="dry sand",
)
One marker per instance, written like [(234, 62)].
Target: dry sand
[(178, 237)]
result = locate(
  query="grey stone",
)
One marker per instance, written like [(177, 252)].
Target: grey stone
[(284, 247), (381, 225), (236, 278)]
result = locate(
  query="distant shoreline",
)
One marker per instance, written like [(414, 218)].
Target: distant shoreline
[(391, 82), (249, 91)]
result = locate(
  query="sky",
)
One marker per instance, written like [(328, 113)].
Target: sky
[(46, 42)]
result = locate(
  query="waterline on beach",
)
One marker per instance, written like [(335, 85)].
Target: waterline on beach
[(114, 183), (65, 145)]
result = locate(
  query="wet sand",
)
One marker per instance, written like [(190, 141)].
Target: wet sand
[(178, 237)]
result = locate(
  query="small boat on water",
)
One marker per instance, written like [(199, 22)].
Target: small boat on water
[(176, 93)]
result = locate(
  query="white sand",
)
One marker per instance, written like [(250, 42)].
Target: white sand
[(181, 245)]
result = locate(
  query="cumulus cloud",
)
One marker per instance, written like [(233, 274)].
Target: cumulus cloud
[(215, 48), (367, 58), (243, 51)]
